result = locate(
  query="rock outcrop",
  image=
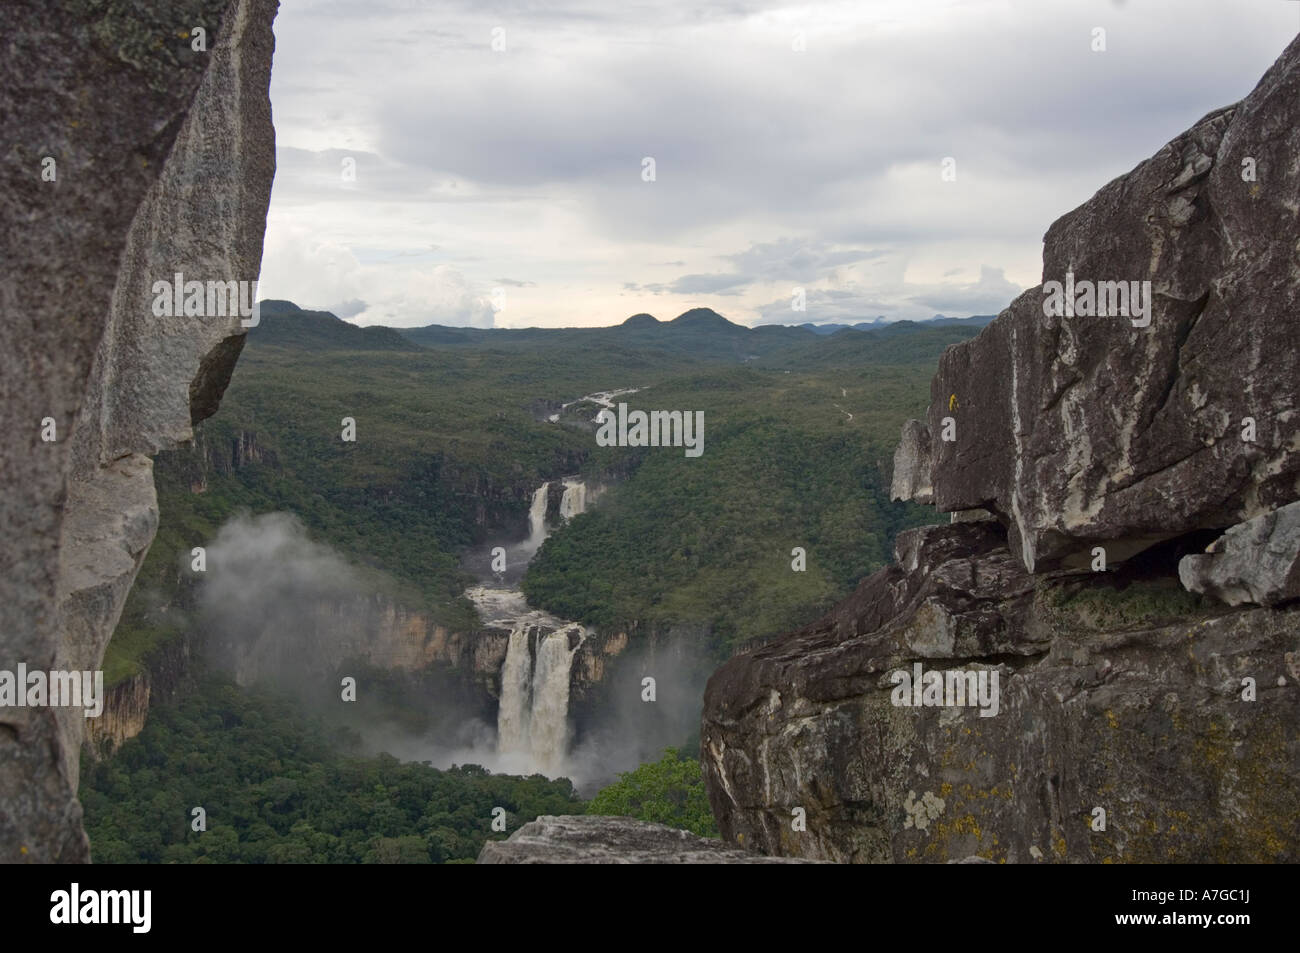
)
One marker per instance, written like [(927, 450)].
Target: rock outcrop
[(136, 152), (126, 707), (1089, 430), (127, 702), (1040, 686), (1256, 561), (912, 465), (1130, 700), (590, 839)]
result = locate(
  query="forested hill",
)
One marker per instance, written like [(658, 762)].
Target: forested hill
[(700, 335)]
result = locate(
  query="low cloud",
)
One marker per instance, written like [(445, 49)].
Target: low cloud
[(898, 301)]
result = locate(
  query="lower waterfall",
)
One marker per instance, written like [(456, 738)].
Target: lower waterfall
[(533, 716), (549, 725), (513, 713)]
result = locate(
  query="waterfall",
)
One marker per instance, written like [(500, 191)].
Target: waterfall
[(533, 709), (533, 714), (537, 519), (574, 500), (516, 692), (549, 724)]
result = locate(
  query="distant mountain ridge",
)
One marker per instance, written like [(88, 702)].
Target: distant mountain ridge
[(284, 323), (701, 332), (876, 324)]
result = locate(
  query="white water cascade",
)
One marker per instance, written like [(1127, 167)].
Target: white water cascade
[(574, 500), (533, 717), (516, 694), (537, 520), (549, 724), (533, 709)]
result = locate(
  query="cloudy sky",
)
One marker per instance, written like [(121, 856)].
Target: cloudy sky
[(485, 163)]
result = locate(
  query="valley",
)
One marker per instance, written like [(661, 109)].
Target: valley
[(499, 583)]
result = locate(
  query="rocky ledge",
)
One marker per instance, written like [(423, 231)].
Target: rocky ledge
[(590, 839)]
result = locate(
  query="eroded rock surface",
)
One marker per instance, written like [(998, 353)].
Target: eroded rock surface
[(1132, 720), (162, 157), (1086, 430), (592, 839), (912, 479), (1129, 700), (1256, 561)]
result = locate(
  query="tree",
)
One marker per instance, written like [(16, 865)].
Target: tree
[(668, 791)]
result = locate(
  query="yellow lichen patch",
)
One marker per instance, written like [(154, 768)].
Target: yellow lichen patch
[(1111, 719), (1058, 844), (945, 789), (1244, 770)]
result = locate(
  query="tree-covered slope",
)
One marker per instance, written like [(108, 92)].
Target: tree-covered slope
[(277, 788), (451, 441)]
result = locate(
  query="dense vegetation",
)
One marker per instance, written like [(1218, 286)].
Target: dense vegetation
[(711, 539), (280, 789), (277, 787), (452, 437), (668, 791)]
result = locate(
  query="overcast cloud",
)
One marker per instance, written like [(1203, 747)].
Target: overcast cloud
[(514, 177)]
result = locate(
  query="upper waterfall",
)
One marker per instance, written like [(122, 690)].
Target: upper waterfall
[(574, 500)]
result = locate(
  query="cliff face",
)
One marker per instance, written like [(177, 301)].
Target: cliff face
[(1134, 699), (1093, 430), (126, 707), (374, 629), (134, 157), (127, 703)]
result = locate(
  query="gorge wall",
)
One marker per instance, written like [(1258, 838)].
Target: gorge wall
[(1146, 699), (133, 156)]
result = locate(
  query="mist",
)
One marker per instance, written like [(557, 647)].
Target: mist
[(290, 615)]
